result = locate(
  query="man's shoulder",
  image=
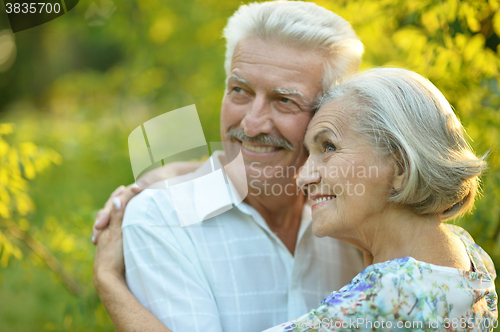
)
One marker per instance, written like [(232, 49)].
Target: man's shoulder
[(156, 205), (156, 200), (150, 207)]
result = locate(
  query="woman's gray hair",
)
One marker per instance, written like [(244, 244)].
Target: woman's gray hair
[(304, 25), (406, 116)]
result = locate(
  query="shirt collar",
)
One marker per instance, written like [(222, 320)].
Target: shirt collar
[(211, 198), (214, 191)]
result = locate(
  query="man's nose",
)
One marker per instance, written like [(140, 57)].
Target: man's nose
[(258, 119), (309, 174)]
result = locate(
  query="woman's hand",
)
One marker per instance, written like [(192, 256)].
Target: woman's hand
[(126, 193), (125, 311), (108, 261)]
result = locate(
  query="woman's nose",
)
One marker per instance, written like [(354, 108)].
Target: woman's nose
[(309, 174)]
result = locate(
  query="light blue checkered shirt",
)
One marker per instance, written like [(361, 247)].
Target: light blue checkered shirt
[(230, 272)]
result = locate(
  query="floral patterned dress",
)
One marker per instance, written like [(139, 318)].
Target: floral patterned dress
[(404, 294)]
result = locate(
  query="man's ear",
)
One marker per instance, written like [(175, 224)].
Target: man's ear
[(400, 173)]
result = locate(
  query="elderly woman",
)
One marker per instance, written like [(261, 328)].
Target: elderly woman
[(391, 137), (388, 164)]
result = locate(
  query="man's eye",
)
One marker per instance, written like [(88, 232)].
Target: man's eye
[(286, 100), (237, 89), (328, 147)]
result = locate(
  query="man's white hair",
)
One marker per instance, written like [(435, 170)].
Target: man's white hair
[(300, 24)]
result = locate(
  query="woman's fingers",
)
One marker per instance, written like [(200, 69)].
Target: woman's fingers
[(116, 216), (119, 202), (124, 194), (117, 191), (102, 218), (101, 221)]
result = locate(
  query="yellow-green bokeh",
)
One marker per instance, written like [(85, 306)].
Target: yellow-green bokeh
[(77, 86)]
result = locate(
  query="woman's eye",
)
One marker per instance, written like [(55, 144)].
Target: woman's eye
[(328, 147)]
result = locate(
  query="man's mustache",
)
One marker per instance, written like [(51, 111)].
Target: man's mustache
[(239, 134)]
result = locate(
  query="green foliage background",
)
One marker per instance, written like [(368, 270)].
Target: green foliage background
[(81, 83)]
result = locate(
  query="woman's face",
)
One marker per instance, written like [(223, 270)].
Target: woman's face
[(345, 176)]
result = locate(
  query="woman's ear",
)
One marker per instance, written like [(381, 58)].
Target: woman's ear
[(399, 177)]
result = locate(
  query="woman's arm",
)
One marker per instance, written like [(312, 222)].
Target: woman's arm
[(125, 311)]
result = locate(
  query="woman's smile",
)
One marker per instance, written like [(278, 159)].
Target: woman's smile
[(321, 200)]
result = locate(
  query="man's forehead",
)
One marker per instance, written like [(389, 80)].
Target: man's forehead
[(287, 60)]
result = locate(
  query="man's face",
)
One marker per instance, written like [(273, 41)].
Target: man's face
[(267, 105)]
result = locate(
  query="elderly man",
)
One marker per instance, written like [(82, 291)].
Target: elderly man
[(258, 264)]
